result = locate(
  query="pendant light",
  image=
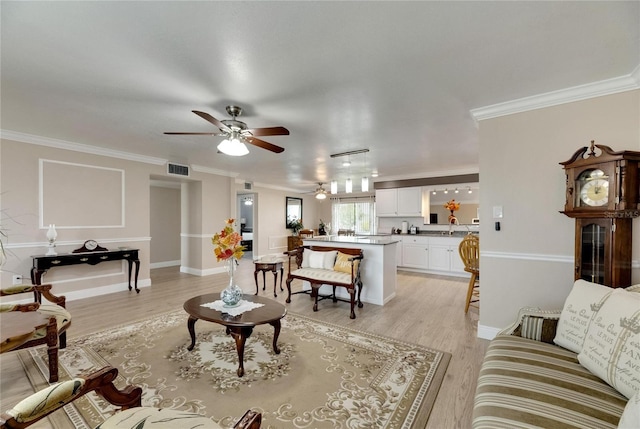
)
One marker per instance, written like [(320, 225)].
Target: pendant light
[(334, 186), (365, 184), (348, 186)]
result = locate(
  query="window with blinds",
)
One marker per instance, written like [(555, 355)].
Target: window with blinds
[(357, 214)]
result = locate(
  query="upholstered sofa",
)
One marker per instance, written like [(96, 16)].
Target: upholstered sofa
[(575, 368)]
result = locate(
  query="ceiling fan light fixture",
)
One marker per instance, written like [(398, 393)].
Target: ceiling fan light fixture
[(349, 186), (374, 174), (346, 163), (334, 186), (233, 147), (321, 196), (365, 184)]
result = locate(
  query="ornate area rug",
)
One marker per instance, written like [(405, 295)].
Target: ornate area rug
[(326, 376)]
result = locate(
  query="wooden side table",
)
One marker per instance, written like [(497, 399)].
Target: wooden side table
[(264, 266)]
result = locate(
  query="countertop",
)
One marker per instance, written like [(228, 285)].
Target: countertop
[(380, 239)]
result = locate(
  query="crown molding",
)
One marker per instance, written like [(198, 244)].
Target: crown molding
[(554, 98), (79, 147), (209, 170), (95, 150)]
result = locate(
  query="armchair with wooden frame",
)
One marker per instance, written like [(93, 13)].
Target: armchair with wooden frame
[(32, 324), (130, 416)]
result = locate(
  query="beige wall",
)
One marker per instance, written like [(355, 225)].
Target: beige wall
[(204, 201), (165, 225), (530, 261), (269, 232)]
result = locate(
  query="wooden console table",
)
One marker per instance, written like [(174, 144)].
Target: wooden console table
[(42, 263)]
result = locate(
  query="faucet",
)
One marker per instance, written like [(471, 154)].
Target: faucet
[(453, 221)]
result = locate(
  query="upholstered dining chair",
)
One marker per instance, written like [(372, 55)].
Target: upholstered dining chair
[(130, 416), (469, 250), (306, 233), (346, 232), (49, 328)]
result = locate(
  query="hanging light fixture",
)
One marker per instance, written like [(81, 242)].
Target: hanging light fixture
[(321, 196), (233, 146), (248, 201), (434, 192), (470, 191), (365, 184), (334, 186), (456, 191), (348, 186)]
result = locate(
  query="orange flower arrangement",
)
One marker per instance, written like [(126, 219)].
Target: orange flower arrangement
[(227, 243), (452, 205)]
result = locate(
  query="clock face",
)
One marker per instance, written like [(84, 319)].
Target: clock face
[(594, 188), (90, 244)]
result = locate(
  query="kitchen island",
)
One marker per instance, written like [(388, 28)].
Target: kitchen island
[(378, 269)]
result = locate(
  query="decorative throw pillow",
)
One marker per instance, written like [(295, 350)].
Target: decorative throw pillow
[(316, 259), (329, 258), (631, 415), (583, 300), (306, 255), (343, 264), (612, 344)]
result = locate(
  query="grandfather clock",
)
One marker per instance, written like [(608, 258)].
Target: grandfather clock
[(603, 196)]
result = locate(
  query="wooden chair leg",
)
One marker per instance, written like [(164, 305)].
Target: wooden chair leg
[(52, 349), (472, 283)]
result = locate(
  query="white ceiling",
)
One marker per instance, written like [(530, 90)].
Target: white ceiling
[(397, 78)]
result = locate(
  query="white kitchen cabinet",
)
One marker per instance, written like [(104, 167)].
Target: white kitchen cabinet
[(399, 202), (386, 202), (443, 254), (432, 254), (415, 252), (410, 201)]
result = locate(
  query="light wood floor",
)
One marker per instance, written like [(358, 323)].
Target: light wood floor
[(427, 309)]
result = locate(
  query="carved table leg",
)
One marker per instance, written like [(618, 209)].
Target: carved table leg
[(191, 325), (240, 335), (281, 275), (264, 280), (276, 333), (275, 281), (255, 278)]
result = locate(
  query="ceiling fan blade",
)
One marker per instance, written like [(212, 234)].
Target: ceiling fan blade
[(192, 134), (270, 131), (264, 145), (214, 121)]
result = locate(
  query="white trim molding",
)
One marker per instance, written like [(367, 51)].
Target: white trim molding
[(487, 332), (568, 95), (528, 256), (78, 147), (539, 257)]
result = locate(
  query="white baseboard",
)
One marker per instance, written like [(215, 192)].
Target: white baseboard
[(92, 292), (202, 273), (487, 332), (164, 264)]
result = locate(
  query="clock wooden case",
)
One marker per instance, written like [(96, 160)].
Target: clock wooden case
[(603, 196)]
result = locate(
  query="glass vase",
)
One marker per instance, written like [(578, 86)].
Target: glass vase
[(232, 294)]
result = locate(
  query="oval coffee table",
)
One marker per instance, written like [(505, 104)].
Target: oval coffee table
[(239, 327)]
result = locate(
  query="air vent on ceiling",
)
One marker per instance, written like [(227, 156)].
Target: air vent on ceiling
[(248, 186), (177, 169)]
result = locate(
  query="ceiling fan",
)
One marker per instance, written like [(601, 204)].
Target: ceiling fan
[(237, 133), (320, 192)]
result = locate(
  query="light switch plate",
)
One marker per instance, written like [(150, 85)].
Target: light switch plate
[(497, 212)]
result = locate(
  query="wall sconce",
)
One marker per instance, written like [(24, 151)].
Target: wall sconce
[(334, 186), (349, 186)]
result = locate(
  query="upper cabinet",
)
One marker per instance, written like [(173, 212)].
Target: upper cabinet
[(399, 202)]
